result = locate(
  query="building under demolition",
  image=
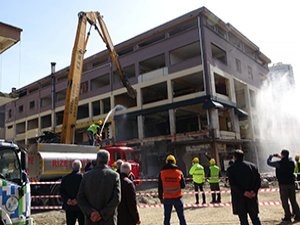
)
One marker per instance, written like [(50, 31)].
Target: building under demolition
[(9, 36), (195, 76)]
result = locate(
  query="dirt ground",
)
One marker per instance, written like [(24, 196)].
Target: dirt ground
[(270, 215)]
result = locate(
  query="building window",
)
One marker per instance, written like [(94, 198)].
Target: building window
[(221, 85), (154, 93), (152, 64), (218, 53), (31, 104), (96, 109), (184, 53), (106, 105), (100, 82), (238, 65), (46, 121), (9, 113), (84, 87), (83, 111), (21, 108), (250, 73)]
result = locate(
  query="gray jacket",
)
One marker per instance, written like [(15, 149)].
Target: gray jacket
[(100, 190)]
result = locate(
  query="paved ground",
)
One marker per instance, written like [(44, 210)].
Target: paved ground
[(202, 216)]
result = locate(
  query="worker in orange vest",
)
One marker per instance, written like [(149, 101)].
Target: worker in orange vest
[(170, 182)]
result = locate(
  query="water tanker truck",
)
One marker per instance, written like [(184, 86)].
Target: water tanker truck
[(48, 162)]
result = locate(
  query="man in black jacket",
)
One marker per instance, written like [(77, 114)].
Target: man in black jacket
[(68, 190), (244, 181), (127, 210), (285, 175)]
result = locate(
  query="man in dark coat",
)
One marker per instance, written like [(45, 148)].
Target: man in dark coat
[(287, 190), (100, 193), (244, 181), (127, 211), (68, 191)]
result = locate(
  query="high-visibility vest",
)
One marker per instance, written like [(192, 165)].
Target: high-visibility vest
[(93, 128), (296, 168), (214, 174), (171, 183), (197, 171)]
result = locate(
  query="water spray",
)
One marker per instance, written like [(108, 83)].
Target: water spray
[(117, 107)]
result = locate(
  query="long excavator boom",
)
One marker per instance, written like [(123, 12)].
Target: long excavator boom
[(75, 71)]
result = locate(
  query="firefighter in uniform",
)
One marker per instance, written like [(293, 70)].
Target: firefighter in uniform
[(93, 132), (214, 180), (170, 182), (198, 174)]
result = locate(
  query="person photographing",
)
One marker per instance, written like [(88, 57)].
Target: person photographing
[(285, 174)]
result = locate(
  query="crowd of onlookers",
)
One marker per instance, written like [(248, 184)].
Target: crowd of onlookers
[(105, 195), (100, 195)]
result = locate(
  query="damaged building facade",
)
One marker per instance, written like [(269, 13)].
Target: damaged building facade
[(195, 77), (9, 36)]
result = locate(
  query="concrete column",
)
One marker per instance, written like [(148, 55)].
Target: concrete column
[(215, 130), (139, 98), (91, 110), (140, 123), (232, 90), (235, 124), (214, 122), (250, 133), (170, 91), (172, 121)]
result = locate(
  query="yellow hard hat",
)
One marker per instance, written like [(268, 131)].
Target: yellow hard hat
[(212, 162), (100, 122), (297, 157), (171, 158), (196, 160)]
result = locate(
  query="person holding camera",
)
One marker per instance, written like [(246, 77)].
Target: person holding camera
[(285, 175)]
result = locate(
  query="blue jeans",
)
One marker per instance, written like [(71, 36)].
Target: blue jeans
[(168, 205), (91, 137)]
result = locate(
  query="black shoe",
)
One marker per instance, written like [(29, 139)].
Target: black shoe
[(197, 203), (286, 219), (297, 219)]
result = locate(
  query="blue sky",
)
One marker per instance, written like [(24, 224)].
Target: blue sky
[(49, 28)]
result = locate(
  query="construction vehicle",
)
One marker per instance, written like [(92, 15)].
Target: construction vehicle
[(50, 161), (75, 72), (14, 185)]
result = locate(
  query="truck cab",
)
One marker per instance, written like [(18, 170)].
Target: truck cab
[(14, 186), (125, 153)]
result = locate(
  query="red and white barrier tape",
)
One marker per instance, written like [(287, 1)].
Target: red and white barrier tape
[(153, 193), (45, 207), (44, 182), (45, 196), (270, 203)]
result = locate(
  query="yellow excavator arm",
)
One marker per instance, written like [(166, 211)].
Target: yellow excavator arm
[(75, 70)]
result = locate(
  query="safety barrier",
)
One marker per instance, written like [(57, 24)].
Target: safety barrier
[(154, 193), (143, 206)]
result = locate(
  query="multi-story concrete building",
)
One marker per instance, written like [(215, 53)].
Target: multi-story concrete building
[(279, 70), (9, 35), (195, 76)]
